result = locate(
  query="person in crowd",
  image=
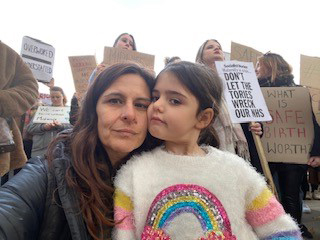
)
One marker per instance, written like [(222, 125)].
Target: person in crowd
[(314, 180), (74, 109), (69, 195), (27, 138), (18, 92), (186, 189), (123, 41), (169, 60), (43, 133), (235, 138), (273, 71)]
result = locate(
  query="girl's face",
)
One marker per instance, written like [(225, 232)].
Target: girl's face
[(122, 115), (56, 98), (212, 52), (172, 115), (261, 70), (125, 42)]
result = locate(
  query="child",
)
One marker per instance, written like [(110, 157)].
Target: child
[(185, 190)]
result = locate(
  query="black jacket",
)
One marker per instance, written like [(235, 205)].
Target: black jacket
[(28, 209)]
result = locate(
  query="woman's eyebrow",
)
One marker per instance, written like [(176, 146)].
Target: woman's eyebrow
[(114, 94)]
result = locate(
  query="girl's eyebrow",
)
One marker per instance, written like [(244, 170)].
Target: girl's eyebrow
[(170, 92)]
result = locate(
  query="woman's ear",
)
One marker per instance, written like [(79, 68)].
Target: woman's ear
[(204, 118)]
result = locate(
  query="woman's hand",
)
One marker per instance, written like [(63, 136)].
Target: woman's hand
[(256, 128), (48, 126), (314, 161), (56, 123)]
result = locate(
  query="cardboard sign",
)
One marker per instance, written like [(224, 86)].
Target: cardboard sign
[(243, 53), (289, 136), (310, 71), (118, 55), (39, 56), (315, 100), (242, 92), (46, 114), (82, 67)]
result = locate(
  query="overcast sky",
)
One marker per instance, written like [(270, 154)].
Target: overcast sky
[(162, 27)]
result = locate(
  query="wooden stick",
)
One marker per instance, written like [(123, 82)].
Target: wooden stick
[(264, 163)]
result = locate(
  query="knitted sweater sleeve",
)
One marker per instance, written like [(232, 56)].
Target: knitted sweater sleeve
[(123, 205), (266, 215)]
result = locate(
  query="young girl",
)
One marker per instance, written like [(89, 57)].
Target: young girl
[(188, 190)]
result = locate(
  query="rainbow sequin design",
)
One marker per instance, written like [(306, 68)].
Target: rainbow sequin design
[(187, 198)]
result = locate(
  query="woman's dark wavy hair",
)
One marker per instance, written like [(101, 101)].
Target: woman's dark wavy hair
[(134, 47), (206, 86), (90, 174)]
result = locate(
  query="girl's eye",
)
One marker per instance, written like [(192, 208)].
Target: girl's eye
[(175, 101), (154, 99), (115, 101)]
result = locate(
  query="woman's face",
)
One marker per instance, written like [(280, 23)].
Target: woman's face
[(261, 70), (122, 115), (125, 42), (212, 52), (56, 98)]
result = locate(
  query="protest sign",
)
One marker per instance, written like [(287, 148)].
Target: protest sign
[(118, 55), (310, 71), (315, 100), (289, 136), (82, 67), (44, 94), (46, 114), (39, 56), (243, 53), (242, 92)]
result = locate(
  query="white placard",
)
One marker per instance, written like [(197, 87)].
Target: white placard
[(39, 56), (46, 114), (242, 92)]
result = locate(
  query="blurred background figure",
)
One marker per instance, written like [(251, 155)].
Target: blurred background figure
[(18, 92), (234, 137), (123, 41), (273, 71), (169, 60), (43, 133)]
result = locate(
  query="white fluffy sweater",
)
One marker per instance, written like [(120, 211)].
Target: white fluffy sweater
[(160, 195)]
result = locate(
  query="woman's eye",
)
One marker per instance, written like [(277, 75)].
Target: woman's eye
[(175, 101), (142, 106), (114, 101)]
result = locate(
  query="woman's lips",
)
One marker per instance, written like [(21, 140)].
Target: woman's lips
[(126, 132)]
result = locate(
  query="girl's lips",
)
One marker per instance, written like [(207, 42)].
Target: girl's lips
[(156, 120)]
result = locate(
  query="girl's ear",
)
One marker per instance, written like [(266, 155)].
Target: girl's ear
[(204, 118)]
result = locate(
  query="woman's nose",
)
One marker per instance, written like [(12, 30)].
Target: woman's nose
[(129, 113)]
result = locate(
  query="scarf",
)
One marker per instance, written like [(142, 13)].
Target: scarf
[(231, 136)]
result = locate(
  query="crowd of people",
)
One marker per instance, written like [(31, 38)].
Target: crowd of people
[(146, 157)]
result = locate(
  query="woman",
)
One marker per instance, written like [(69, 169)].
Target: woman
[(234, 138), (81, 164), (123, 41), (273, 71), (43, 133)]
